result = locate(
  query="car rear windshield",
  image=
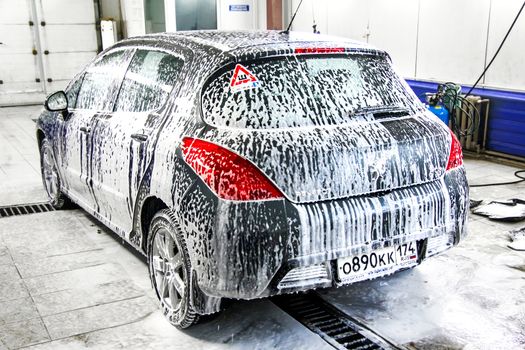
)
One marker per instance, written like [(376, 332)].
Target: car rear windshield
[(298, 91)]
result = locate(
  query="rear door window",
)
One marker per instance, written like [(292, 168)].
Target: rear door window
[(148, 81), (298, 91)]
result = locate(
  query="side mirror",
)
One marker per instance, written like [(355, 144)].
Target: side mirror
[(56, 102)]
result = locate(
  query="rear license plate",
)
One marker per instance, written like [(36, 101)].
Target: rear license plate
[(376, 263)]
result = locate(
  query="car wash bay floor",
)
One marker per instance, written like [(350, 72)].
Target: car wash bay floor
[(67, 282)]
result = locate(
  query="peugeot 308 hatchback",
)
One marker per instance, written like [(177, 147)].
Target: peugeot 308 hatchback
[(249, 164)]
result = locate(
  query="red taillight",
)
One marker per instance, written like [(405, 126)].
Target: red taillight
[(456, 155), (319, 49), (226, 173)]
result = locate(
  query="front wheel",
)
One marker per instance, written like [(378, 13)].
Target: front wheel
[(170, 269), (50, 177)]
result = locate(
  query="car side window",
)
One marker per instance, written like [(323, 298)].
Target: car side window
[(101, 82), (148, 81), (72, 92)]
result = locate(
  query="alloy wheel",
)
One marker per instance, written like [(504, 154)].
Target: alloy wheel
[(50, 174), (169, 272)]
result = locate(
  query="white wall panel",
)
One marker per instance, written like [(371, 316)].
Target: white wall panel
[(18, 73), (304, 20), (393, 27), (64, 66), (19, 93), (19, 68), (16, 38), (170, 17), (348, 18), (68, 12), (235, 19), (133, 14), (14, 12), (508, 70), (57, 85), (261, 14), (255, 18), (452, 39), (69, 38)]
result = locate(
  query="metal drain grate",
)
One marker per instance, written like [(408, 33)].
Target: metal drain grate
[(24, 209), (330, 323)]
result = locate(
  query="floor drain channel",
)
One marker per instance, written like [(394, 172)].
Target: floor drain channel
[(336, 328), (24, 209)]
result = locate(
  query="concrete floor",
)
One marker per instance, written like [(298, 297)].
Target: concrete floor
[(19, 159), (67, 282)]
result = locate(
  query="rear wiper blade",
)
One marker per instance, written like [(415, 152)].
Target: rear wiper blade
[(382, 111)]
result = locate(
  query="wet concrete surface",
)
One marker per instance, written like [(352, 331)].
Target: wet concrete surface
[(66, 281), (470, 297)]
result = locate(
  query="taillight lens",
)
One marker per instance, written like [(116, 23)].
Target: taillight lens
[(456, 155), (226, 173)]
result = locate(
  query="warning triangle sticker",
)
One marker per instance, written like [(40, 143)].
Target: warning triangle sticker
[(242, 79)]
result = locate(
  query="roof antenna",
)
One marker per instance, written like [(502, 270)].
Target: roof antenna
[(314, 25), (291, 21)]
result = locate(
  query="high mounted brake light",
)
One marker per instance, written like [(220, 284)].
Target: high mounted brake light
[(455, 158), (319, 50), (229, 175)]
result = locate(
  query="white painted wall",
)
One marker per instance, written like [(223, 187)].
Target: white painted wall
[(261, 14), (508, 70), (171, 19), (394, 29), (452, 49), (133, 17), (235, 19), (437, 40), (253, 19)]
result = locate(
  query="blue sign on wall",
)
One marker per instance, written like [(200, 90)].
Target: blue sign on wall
[(243, 8)]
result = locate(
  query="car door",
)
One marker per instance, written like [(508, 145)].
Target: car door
[(97, 90), (68, 144), (123, 141)]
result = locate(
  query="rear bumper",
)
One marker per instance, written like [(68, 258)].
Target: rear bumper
[(331, 230), (244, 250), (434, 215)]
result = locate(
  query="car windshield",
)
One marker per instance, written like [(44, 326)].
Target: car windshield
[(298, 91)]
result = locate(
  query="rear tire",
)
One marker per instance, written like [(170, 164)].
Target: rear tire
[(170, 270), (51, 178)]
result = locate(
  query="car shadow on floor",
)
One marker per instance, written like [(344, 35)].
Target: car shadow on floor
[(240, 321), (103, 229)]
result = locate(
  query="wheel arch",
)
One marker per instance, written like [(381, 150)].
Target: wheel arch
[(155, 194), (150, 206)]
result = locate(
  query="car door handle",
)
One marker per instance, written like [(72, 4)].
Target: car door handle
[(139, 137), (85, 129)]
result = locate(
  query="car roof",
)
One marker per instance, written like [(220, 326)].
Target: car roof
[(232, 42)]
